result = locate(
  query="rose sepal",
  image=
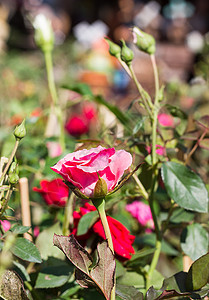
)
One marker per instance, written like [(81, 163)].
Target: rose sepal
[(123, 181), (99, 196), (76, 191)]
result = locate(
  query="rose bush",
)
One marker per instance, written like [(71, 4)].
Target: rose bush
[(81, 168), (54, 192), (122, 239)]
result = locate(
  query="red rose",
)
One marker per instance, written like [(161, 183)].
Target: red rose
[(77, 125), (122, 240), (54, 192)]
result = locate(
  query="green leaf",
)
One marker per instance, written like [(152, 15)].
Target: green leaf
[(21, 271), (194, 241), (139, 125), (53, 276), (185, 187), (174, 287), (19, 229), (181, 215), (128, 292), (120, 270), (26, 250), (198, 274), (150, 239), (81, 88), (86, 222), (140, 258), (44, 242), (122, 117), (132, 279), (176, 112)]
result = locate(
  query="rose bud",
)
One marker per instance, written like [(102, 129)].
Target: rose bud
[(114, 49), (144, 41), (44, 36), (100, 190), (20, 131), (54, 192), (127, 54)]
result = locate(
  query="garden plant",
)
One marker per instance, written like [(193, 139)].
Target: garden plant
[(120, 210)]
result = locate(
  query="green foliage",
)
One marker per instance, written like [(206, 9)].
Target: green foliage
[(194, 241), (86, 222), (26, 250), (185, 187)]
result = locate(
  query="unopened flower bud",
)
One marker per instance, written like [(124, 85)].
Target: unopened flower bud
[(144, 41), (100, 190), (44, 36), (114, 49), (13, 178), (20, 131), (12, 167), (127, 54)]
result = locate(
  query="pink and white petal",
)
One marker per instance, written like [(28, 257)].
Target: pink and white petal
[(120, 162), (99, 162)]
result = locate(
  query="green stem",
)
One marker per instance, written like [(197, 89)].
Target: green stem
[(50, 77), (145, 97), (155, 110), (9, 162), (100, 206), (68, 215), (141, 187), (53, 92), (5, 201), (156, 77)]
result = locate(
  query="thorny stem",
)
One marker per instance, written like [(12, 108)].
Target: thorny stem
[(9, 162), (195, 146), (100, 206), (68, 215), (53, 92)]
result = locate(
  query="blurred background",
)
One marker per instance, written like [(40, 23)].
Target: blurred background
[(180, 28)]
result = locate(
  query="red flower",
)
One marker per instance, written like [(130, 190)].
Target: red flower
[(54, 192), (122, 240), (80, 123), (77, 125)]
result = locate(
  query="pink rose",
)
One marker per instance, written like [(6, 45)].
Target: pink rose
[(6, 225), (142, 213), (81, 168), (165, 120), (160, 150), (54, 149), (54, 192)]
